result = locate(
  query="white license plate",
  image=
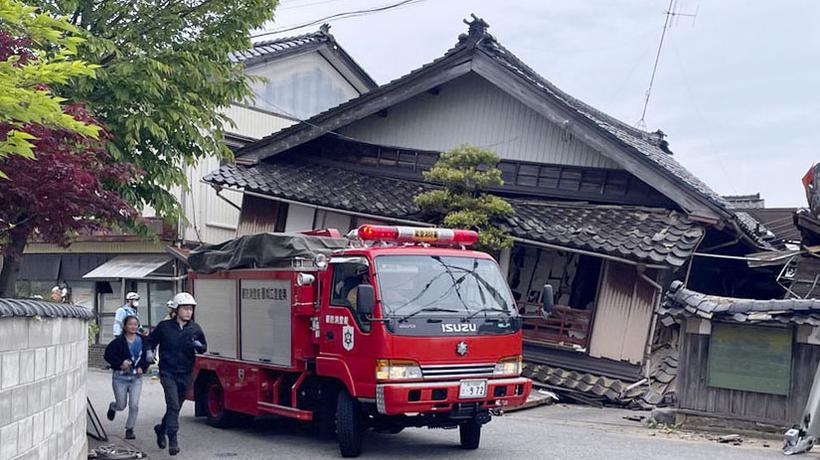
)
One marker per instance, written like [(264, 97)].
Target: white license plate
[(470, 389)]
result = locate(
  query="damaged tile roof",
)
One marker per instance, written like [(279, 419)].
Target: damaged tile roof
[(682, 302), (650, 235), (658, 390)]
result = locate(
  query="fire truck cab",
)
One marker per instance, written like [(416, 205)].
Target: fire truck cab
[(393, 327)]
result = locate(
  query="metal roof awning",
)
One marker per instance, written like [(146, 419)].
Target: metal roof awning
[(131, 266)]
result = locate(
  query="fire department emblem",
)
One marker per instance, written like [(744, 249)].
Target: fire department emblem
[(348, 338), (461, 348)]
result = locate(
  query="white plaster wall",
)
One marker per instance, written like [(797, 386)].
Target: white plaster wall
[(43, 365)]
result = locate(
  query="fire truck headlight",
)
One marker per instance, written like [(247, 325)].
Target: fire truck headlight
[(391, 369), (508, 366)]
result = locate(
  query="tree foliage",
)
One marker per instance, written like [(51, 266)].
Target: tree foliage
[(37, 51), (65, 190), (164, 76), (466, 172)]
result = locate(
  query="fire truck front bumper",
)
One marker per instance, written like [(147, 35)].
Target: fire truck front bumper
[(451, 396)]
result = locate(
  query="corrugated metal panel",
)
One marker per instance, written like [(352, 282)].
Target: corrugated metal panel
[(210, 218), (132, 266), (472, 110), (254, 123), (623, 315)]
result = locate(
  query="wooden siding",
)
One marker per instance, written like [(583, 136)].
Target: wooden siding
[(472, 110), (694, 394), (623, 314), (259, 215)]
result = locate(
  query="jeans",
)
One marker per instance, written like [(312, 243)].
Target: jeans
[(175, 387), (127, 389)]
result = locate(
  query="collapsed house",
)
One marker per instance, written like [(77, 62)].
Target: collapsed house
[(744, 359), (603, 211)]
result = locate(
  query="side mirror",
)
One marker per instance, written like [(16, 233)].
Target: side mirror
[(365, 299), (549, 301)]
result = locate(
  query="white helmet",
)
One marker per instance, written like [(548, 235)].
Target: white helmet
[(132, 296), (183, 298)]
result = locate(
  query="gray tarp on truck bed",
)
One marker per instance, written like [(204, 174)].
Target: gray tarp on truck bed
[(264, 250)]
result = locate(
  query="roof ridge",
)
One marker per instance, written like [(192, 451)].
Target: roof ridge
[(321, 33)]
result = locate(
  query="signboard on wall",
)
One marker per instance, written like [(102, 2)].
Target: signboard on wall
[(265, 309), (750, 358)]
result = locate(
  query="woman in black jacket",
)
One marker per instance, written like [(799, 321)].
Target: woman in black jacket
[(127, 356)]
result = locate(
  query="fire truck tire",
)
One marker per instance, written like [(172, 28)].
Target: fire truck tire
[(470, 435), (349, 426), (218, 416)]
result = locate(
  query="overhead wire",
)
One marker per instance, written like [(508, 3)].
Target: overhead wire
[(338, 16)]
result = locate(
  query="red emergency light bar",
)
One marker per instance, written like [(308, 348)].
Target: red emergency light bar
[(417, 235)]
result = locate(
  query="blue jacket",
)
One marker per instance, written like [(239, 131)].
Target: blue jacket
[(117, 351)]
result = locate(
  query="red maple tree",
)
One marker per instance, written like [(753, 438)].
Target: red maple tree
[(69, 189)]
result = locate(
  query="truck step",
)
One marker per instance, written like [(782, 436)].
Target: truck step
[(285, 411)]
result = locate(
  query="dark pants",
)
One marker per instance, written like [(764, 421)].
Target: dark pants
[(175, 387)]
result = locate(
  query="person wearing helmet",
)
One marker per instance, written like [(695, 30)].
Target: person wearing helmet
[(179, 340), (132, 303), (171, 310)]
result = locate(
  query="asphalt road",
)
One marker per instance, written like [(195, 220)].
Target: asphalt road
[(554, 432)]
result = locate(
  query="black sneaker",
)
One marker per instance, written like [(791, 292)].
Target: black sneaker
[(173, 447), (110, 414), (160, 436), (129, 434)]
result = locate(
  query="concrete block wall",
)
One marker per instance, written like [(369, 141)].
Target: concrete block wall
[(43, 367)]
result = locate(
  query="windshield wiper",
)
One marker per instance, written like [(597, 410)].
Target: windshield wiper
[(483, 310), (426, 309)]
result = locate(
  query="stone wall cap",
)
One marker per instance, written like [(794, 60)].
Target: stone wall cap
[(42, 308)]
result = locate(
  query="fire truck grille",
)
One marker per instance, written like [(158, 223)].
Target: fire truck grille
[(450, 371)]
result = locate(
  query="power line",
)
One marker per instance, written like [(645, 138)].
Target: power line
[(338, 16), (287, 5)]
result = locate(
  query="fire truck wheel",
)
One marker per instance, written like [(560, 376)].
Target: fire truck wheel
[(218, 416), (326, 414), (349, 427), (470, 435)]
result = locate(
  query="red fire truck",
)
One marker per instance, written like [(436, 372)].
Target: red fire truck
[(392, 327)]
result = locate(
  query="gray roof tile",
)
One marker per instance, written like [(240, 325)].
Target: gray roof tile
[(636, 233), (42, 308), (680, 301)]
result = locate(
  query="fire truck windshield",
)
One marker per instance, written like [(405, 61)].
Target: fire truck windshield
[(420, 285)]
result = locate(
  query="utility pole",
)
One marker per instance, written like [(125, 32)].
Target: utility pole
[(671, 14)]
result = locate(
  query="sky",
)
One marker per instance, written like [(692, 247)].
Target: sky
[(737, 89)]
